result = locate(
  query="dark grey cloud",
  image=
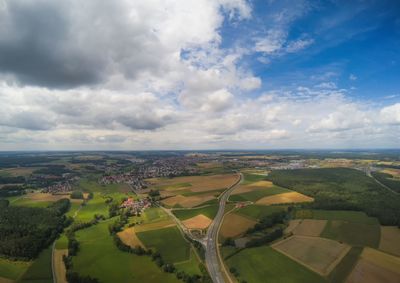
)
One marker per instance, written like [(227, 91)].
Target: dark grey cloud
[(34, 46)]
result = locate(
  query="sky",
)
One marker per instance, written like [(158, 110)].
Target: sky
[(199, 74)]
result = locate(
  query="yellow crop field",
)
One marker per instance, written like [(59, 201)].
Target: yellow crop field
[(198, 222), (291, 197), (374, 267), (128, 237)]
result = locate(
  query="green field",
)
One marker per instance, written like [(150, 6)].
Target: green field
[(259, 211), (62, 242), (12, 269), (263, 264), (343, 215), (251, 178), (342, 189), (191, 266), (40, 270), (173, 186), (258, 194), (30, 203), (154, 214), (100, 258), (355, 234), (183, 214), (74, 208), (169, 242), (94, 206)]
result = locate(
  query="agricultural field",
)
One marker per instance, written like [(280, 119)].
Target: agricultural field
[(97, 205), (255, 265), (235, 225), (342, 215), (355, 234), (195, 183), (308, 227), (12, 270), (257, 193), (190, 266), (187, 202), (375, 267), (100, 258), (169, 242), (342, 189), (200, 222), (128, 237), (390, 240), (318, 254), (208, 211), (259, 211), (15, 172), (40, 270), (285, 198)]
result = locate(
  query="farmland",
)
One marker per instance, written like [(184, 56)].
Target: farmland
[(100, 258), (318, 254), (183, 214), (389, 241), (291, 197), (341, 188), (256, 264), (168, 242), (235, 225)]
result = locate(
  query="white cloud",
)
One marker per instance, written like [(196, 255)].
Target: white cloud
[(352, 77), (391, 114), (297, 45)]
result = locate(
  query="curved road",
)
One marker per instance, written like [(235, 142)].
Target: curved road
[(211, 241)]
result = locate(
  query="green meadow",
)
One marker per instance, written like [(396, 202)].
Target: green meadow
[(259, 211), (169, 242), (183, 214), (100, 258), (40, 271), (264, 264), (12, 269)]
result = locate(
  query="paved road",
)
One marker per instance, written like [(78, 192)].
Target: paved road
[(212, 258)]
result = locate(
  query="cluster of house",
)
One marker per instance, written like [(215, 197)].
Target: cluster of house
[(136, 207), (61, 187), (167, 167)]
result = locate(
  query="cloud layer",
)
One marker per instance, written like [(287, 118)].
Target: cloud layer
[(157, 74)]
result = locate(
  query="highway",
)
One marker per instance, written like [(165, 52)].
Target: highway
[(212, 258)]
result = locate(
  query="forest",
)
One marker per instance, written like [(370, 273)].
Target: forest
[(26, 231), (342, 189)]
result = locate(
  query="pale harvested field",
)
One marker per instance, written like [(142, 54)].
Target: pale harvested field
[(390, 240), (48, 197), (198, 222), (318, 254), (235, 225), (310, 227), (393, 172), (292, 225), (187, 202), (199, 183), (59, 266), (128, 237), (375, 267), (154, 225), (254, 186), (23, 171), (291, 197)]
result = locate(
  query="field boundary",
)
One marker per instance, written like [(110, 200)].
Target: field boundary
[(328, 269)]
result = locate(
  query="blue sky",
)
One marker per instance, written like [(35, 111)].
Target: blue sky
[(199, 74), (351, 39)]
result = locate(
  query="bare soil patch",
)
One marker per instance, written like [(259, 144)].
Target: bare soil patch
[(318, 254), (310, 227), (235, 225), (390, 240), (291, 197), (198, 222), (292, 225)]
